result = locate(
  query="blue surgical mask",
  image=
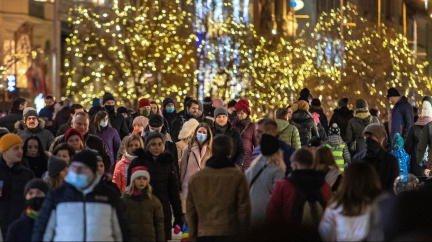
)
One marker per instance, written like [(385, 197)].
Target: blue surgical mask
[(104, 124), (170, 109), (201, 137), (78, 181)]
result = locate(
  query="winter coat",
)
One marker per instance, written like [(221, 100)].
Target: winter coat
[(111, 140), (238, 153), (287, 152), (341, 117), (223, 210), (119, 175), (411, 144), (21, 229), (336, 141), (92, 142), (261, 190), (193, 161), (305, 124), (121, 149), (145, 217), (118, 122), (176, 124), (333, 177), (248, 133), (335, 226), (288, 133), (46, 113), (37, 164), (282, 207), (44, 135), (12, 201), (354, 131), (94, 214), (402, 118), (424, 143), (165, 183), (62, 117), (64, 127), (180, 146), (9, 120), (322, 117)]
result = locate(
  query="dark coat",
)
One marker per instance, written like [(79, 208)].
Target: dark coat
[(247, 130), (341, 117), (46, 113), (238, 153), (424, 142), (62, 117), (64, 127), (118, 122), (354, 132), (287, 152), (12, 201), (111, 140), (21, 229), (165, 183), (305, 124), (9, 120), (176, 124), (402, 118), (44, 135), (322, 117), (39, 165), (411, 144)]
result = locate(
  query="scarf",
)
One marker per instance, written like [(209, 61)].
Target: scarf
[(423, 120), (220, 129), (218, 161), (372, 148), (362, 115), (31, 214)]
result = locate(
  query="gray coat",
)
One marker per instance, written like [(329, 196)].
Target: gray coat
[(44, 135), (354, 131)]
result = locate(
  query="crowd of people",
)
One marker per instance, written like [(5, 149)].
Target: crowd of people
[(210, 171)]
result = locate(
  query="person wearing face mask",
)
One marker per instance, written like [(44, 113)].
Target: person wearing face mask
[(35, 127), (195, 156), (385, 163), (169, 113), (144, 107), (13, 177), (35, 156), (83, 208), (108, 135), (34, 194), (161, 167), (117, 120)]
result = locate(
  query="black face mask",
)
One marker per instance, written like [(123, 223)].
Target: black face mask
[(372, 147), (109, 108), (35, 203)]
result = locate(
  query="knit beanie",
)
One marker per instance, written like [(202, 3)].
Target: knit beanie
[(143, 102), (334, 129), (220, 111), (343, 102), (9, 140), (107, 97), (316, 102), (376, 130), (36, 183), (269, 145), (188, 128), (139, 171), (167, 101), (392, 92), (232, 103), (362, 106), (31, 113), (122, 110), (28, 109), (156, 121), (427, 107), (243, 108), (218, 103), (71, 132), (153, 135), (96, 102), (55, 165), (300, 105), (207, 100), (140, 120), (314, 142), (87, 157), (243, 101)]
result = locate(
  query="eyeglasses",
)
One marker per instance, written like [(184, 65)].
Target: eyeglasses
[(31, 118)]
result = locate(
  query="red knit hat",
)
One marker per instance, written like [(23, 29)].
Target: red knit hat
[(242, 101), (143, 102), (71, 132), (242, 107)]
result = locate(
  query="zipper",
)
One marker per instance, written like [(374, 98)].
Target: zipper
[(85, 218)]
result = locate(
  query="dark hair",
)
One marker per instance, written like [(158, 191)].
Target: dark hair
[(49, 97), (358, 189), (373, 112), (17, 102), (98, 117), (222, 144), (41, 150), (75, 107), (323, 159), (281, 113), (64, 146), (269, 124), (302, 156), (190, 102)]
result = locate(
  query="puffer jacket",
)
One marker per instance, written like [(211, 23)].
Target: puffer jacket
[(354, 131), (341, 117), (305, 124), (402, 118), (145, 217), (94, 214), (119, 175), (400, 154), (288, 133), (9, 120), (44, 135), (411, 144), (248, 133)]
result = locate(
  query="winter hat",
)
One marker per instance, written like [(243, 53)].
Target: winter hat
[(107, 97), (314, 142), (87, 157), (343, 102), (55, 165), (232, 103), (140, 120), (397, 141), (28, 109), (36, 183), (303, 105), (96, 102), (166, 101), (71, 132), (373, 112), (427, 107), (122, 110), (140, 171), (218, 103), (243, 108), (156, 121), (3, 131), (207, 100), (188, 128), (9, 140), (143, 102), (31, 113), (243, 101), (269, 145), (362, 106), (376, 130), (220, 111), (304, 94), (392, 92), (316, 102), (153, 135), (334, 129)]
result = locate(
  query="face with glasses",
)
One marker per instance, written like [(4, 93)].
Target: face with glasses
[(32, 122)]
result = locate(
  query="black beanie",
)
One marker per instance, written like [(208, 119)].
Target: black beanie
[(232, 103), (304, 94), (36, 183), (55, 165), (316, 102), (87, 157), (166, 101), (269, 145), (156, 121), (31, 113), (314, 142), (107, 97), (122, 110), (392, 92)]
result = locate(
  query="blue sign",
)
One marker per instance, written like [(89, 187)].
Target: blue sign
[(11, 83), (293, 3)]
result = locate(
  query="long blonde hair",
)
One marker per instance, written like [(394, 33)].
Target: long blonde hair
[(131, 189), (277, 159)]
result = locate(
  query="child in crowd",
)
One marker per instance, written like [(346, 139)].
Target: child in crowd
[(338, 146)]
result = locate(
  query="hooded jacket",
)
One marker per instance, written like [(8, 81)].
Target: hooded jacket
[(336, 141), (9, 120), (248, 133), (402, 118), (305, 124), (354, 131), (341, 117), (288, 133), (44, 135)]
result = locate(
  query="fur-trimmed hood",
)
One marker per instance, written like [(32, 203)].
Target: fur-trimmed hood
[(20, 125)]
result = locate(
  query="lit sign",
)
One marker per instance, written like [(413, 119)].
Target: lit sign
[(39, 102), (11, 83), (297, 4)]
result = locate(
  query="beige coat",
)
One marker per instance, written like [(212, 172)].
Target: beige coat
[(192, 161), (180, 146)]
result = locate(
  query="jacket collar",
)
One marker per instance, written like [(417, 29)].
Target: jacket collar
[(218, 161)]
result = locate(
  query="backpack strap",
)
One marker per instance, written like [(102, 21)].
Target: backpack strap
[(257, 175)]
